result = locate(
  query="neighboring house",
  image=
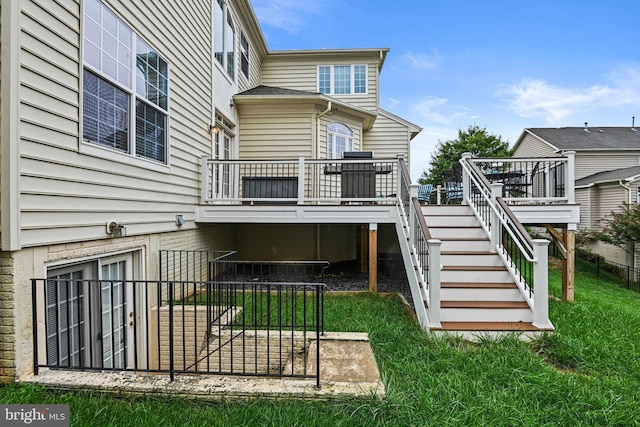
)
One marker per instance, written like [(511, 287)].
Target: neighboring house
[(607, 170), (108, 108)]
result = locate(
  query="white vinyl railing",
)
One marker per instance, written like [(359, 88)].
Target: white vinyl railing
[(300, 181), (525, 258)]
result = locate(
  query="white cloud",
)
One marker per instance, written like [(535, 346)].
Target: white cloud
[(439, 110), (423, 61), (285, 14), (537, 98)]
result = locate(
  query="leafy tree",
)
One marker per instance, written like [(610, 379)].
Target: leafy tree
[(623, 228), (475, 140)]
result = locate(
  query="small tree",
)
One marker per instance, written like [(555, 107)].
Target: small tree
[(475, 140), (623, 228)]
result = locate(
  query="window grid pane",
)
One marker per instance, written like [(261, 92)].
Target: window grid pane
[(108, 43), (151, 75), (324, 79), (244, 51), (360, 79), (105, 113), (218, 35), (342, 79), (150, 131), (230, 42)]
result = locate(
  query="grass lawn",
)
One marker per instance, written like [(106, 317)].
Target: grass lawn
[(587, 373)]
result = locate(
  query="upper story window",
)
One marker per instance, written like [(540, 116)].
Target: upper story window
[(342, 79), (244, 55), (224, 34), (125, 90), (339, 140)]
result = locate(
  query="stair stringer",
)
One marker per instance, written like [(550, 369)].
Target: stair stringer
[(417, 282)]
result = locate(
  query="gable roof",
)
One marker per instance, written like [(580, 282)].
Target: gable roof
[(591, 139), (624, 174), (262, 93), (413, 128)]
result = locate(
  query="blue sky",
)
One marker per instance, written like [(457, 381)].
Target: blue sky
[(501, 64)]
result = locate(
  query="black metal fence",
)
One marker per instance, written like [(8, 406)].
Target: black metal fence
[(249, 328), (624, 275)]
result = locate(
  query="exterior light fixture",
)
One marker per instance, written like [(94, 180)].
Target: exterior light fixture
[(179, 220)]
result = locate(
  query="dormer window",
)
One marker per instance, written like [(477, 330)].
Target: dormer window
[(342, 79)]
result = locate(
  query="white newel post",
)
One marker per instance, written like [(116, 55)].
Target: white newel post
[(570, 180), (466, 188), (413, 193), (301, 179), (496, 191), (204, 178), (541, 284), (434, 282), (438, 196)]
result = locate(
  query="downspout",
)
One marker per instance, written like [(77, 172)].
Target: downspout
[(632, 254), (320, 115), (317, 156), (628, 191)]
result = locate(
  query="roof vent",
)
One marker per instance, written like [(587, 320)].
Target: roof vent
[(633, 124), (586, 129)]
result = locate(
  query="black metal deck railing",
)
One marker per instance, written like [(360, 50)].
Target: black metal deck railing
[(178, 327)]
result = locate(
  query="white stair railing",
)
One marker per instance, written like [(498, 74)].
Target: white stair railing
[(526, 259)]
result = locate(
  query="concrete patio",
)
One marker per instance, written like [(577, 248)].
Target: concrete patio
[(347, 369)]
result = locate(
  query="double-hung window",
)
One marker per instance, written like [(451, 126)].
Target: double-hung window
[(244, 55), (125, 88), (224, 38), (342, 79)]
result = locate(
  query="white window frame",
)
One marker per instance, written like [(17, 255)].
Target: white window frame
[(226, 58), (333, 135), (245, 49), (130, 89), (352, 79)]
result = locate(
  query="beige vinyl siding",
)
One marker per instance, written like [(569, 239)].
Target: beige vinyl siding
[(583, 199), (532, 146), (276, 131), (255, 68), (590, 163), (301, 73), (67, 195), (387, 139), (610, 198)]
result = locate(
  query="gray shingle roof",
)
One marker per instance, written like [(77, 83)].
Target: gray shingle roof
[(271, 90), (598, 138), (609, 176)]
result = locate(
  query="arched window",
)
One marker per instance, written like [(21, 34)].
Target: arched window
[(339, 140)]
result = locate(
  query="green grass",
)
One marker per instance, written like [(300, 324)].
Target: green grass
[(586, 373)]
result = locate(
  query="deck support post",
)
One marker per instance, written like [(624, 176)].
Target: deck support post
[(373, 258), (566, 244), (568, 265), (541, 284)]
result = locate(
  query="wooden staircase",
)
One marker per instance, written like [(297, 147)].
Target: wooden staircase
[(478, 295)]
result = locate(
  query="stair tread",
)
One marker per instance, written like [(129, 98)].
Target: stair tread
[(487, 326), (484, 304), (474, 268), (479, 253), (475, 285)]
